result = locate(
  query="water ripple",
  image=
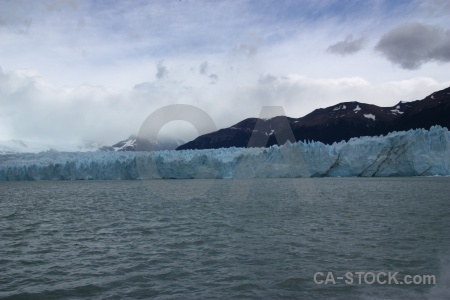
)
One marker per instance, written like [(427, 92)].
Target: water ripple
[(117, 239)]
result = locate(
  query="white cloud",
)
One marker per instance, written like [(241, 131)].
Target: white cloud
[(33, 109)]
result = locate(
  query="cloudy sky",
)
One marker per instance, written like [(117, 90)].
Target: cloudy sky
[(80, 71)]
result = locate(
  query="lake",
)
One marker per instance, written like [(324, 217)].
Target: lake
[(256, 238)]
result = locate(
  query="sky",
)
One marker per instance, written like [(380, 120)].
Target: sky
[(91, 71)]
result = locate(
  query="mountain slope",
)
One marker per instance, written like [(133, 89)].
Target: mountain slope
[(332, 124), (135, 144)]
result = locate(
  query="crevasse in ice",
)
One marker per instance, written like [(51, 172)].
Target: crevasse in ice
[(417, 152)]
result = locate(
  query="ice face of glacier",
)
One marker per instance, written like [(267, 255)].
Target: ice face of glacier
[(412, 153)]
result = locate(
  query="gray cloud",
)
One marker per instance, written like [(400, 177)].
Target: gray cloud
[(19, 15), (248, 50), (267, 79), (62, 5), (203, 67), (412, 44), (19, 24), (161, 70), (214, 78), (347, 46)]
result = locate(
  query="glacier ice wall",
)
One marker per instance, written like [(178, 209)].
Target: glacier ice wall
[(412, 153)]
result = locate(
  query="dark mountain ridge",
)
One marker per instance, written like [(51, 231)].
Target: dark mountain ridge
[(342, 121)]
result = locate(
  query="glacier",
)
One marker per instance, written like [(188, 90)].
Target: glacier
[(416, 152)]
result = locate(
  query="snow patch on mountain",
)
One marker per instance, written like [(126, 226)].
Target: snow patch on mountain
[(340, 107), (396, 111), (369, 116), (126, 144)]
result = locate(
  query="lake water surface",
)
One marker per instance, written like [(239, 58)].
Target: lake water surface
[(195, 239)]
